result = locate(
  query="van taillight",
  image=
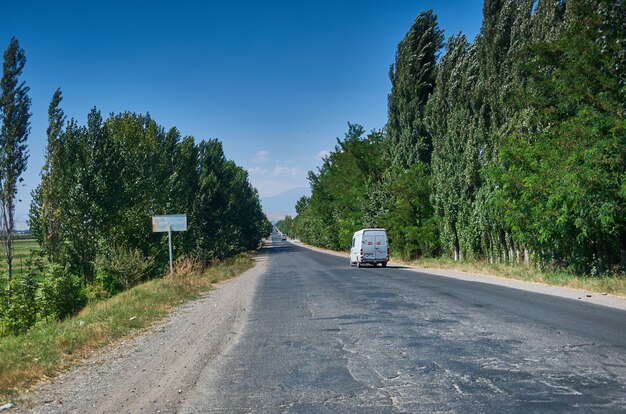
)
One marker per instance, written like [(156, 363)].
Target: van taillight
[(361, 253)]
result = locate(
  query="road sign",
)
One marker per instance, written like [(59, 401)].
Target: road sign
[(169, 222)]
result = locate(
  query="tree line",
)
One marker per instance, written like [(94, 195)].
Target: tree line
[(509, 148), (100, 185)]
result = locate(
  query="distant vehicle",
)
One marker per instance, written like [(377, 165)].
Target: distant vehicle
[(284, 237), (369, 246)]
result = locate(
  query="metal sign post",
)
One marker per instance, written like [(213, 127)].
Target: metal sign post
[(169, 241), (169, 223)]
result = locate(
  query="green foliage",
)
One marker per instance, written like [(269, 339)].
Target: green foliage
[(19, 305), (60, 294), (285, 225), (14, 129), (109, 177), (337, 206), (453, 160), (510, 148), (125, 267), (45, 221), (400, 201), (182, 187), (562, 176), (101, 183), (412, 81), (46, 349), (34, 216), (218, 210), (410, 221)]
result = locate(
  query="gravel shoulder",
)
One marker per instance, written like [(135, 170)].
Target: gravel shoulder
[(158, 369), (610, 301)]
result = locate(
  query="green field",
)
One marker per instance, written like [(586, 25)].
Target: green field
[(22, 249)]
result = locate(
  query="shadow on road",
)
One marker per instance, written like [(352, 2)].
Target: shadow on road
[(280, 247)]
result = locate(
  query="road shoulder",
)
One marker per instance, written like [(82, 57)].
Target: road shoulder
[(153, 371)]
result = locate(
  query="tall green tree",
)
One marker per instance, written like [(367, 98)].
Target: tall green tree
[(504, 31), (339, 188), (14, 130), (412, 81), (34, 217), (285, 225), (49, 216), (227, 214), (405, 185), (183, 188), (450, 119), (410, 219), (563, 172), (79, 215)]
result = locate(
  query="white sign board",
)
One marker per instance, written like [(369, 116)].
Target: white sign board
[(169, 222)]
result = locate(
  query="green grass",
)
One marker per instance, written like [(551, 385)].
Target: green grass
[(613, 284), (50, 347), (22, 250)]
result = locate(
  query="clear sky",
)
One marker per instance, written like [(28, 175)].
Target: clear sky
[(276, 81)]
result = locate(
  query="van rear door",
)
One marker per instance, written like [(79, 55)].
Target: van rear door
[(380, 243), (369, 248)]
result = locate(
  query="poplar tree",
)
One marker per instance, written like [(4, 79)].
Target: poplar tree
[(209, 207), (50, 208), (14, 130), (450, 119), (405, 185), (564, 167), (412, 81), (183, 187)]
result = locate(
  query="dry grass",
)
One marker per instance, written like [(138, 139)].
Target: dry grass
[(50, 347), (615, 284)]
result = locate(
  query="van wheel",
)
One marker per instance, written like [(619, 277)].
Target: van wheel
[(384, 264)]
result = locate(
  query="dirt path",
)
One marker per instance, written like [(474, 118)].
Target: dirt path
[(155, 371)]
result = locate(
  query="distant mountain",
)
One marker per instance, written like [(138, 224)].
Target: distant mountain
[(280, 205)]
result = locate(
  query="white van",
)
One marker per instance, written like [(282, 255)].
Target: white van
[(369, 246)]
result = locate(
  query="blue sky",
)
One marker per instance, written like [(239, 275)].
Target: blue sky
[(275, 81)]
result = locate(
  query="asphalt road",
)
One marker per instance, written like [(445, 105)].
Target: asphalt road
[(324, 337)]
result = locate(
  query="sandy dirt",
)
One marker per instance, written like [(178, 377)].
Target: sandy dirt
[(156, 370)]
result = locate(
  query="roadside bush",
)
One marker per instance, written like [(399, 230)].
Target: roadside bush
[(124, 267), (60, 294), (98, 291), (19, 305)]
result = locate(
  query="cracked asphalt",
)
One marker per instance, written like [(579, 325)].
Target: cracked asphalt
[(323, 337)]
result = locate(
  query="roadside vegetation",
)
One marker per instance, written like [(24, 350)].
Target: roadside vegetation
[(508, 150), (614, 284), (50, 346), (90, 217)]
